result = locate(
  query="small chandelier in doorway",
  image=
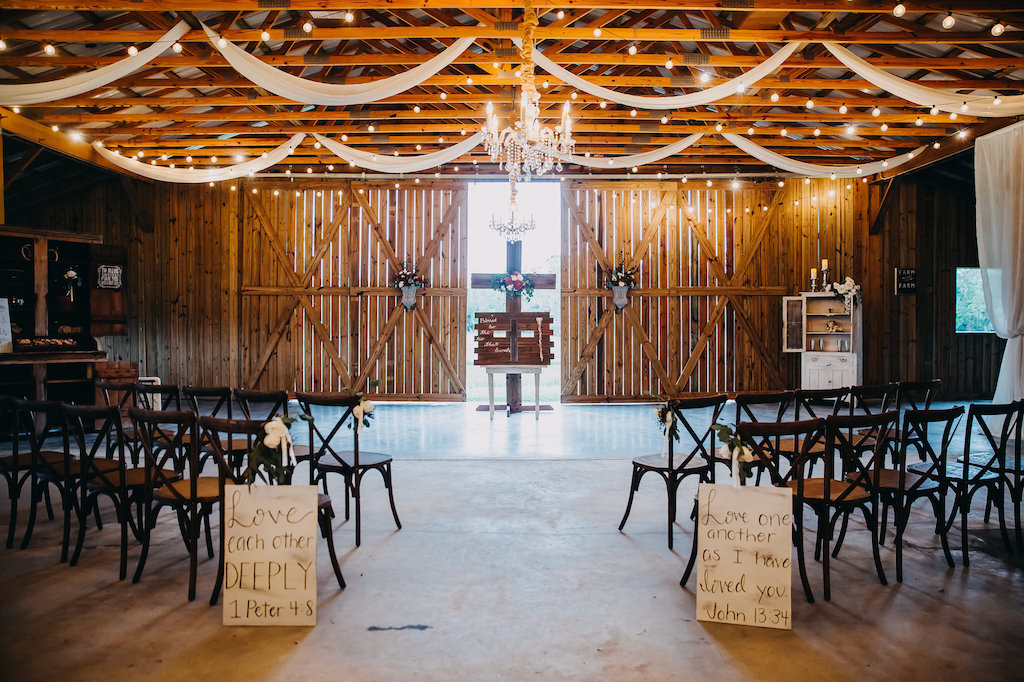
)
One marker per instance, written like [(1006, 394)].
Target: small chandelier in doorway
[(512, 228)]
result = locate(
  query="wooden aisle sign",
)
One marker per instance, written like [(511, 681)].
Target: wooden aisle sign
[(270, 539), (513, 339), (744, 555)]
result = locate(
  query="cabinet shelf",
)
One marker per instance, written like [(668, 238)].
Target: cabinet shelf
[(829, 333)]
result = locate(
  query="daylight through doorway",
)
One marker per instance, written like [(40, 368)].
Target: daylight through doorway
[(541, 255)]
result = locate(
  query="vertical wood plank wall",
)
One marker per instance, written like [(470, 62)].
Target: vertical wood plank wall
[(207, 292)]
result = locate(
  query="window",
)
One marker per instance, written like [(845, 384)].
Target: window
[(971, 313)]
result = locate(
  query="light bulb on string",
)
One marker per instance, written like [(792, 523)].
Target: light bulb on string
[(132, 50), (718, 127), (664, 120), (308, 27), (177, 48), (899, 10), (668, 64), (885, 126), (597, 33), (843, 109), (632, 49), (349, 17), (934, 110), (50, 50), (264, 36), (561, 14), (817, 132), (809, 104), (876, 112), (997, 29), (783, 132), (918, 122), (948, 21)]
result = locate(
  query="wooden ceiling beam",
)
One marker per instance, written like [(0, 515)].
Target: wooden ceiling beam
[(571, 34), (994, 7), (36, 133)]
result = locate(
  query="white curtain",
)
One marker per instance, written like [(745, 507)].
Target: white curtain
[(945, 100), (635, 159), (999, 187), (331, 94), (165, 174), (814, 170), (385, 163), (49, 91), (693, 99)]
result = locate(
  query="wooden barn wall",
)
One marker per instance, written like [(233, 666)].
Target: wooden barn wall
[(207, 291), (714, 263), (287, 287)]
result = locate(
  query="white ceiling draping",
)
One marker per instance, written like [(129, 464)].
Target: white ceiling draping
[(812, 170), (306, 91), (384, 163), (49, 91), (946, 100), (635, 159), (165, 174)]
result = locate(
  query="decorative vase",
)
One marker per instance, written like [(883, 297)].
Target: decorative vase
[(409, 296), (620, 296)]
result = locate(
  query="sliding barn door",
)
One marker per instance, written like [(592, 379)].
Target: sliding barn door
[(688, 327), (318, 310)]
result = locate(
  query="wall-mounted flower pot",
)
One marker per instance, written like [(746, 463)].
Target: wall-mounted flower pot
[(409, 297), (620, 296)]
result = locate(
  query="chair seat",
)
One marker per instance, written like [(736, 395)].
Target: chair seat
[(659, 462), (302, 452), (238, 444), (982, 460), (133, 478), (207, 490), (323, 501), (889, 479), (814, 489), (366, 459), (955, 471), (54, 459), (791, 445)]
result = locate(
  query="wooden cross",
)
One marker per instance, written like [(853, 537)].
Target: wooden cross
[(513, 304)]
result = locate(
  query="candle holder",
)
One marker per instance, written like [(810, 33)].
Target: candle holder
[(824, 277), (814, 283)]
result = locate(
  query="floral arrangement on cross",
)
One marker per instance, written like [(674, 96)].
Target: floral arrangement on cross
[(272, 458), (621, 276), (848, 290), (408, 277), (514, 284), (732, 449)]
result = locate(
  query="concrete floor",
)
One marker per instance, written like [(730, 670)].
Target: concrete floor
[(509, 566)]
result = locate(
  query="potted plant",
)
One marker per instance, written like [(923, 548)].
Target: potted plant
[(620, 280), (408, 281)]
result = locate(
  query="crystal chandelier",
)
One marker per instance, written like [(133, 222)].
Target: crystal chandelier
[(527, 148), (512, 229)]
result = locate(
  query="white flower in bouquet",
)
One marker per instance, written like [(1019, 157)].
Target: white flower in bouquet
[(279, 437)]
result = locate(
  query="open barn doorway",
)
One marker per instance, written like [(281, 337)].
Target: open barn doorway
[(541, 254)]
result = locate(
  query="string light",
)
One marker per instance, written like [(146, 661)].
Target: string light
[(317, 145), (750, 131), (3, 44), (918, 122), (876, 111), (561, 14), (843, 109), (419, 147), (741, 88), (16, 110), (132, 50), (370, 128), (807, 181), (188, 159), (632, 49), (232, 188), (948, 21), (49, 50), (899, 10), (308, 27), (952, 116), (416, 109), (469, 80), (997, 101), (177, 48), (664, 120), (705, 77), (963, 108), (718, 127), (264, 36), (545, 84), (735, 183), (344, 138), (817, 131), (635, 169), (933, 111), (603, 104), (850, 130), (885, 126), (574, 95), (709, 183), (809, 104), (668, 64), (349, 17), (444, 95), (213, 159), (54, 128), (997, 29), (935, 145), (783, 132), (597, 33), (632, 113), (962, 134), (221, 42)]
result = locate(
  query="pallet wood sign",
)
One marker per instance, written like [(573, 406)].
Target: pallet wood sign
[(744, 545), (270, 539), (513, 339)]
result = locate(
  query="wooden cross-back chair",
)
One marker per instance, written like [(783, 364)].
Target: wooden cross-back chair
[(929, 480), (695, 459), (235, 432), (15, 467), (993, 465), (122, 395), (814, 404), (266, 405), (158, 397), (868, 400), (93, 477), (208, 401), (352, 464), (916, 395), (772, 405), (190, 495)]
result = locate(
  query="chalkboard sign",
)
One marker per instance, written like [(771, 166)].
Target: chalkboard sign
[(744, 555), (270, 539), (906, 281)]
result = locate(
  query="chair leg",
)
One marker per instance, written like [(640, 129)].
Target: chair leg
[(328, 533), (872, 522), (34, 497), (902, 518), (940, 528), (988, 509), (386, 473), (49, 505), (207, 512), (1002, 518), (965, 503), (883, 521), (68, 503), (123, 518), (13, 520), (145, 530), (842, 535), (1015, 496), (193, 554), (798, 540), (80, 541), (672, 485), (693, 548), (825, 534), (634, 485), (357, 480)]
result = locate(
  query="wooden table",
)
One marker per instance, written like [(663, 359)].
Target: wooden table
[(514, 369)]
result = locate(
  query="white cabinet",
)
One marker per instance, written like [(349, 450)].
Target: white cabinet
[(828, 337)]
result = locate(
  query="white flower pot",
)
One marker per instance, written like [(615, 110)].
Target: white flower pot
[(620, 296), (409, 297)]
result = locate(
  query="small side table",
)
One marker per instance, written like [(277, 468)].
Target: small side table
[(514, 369)]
